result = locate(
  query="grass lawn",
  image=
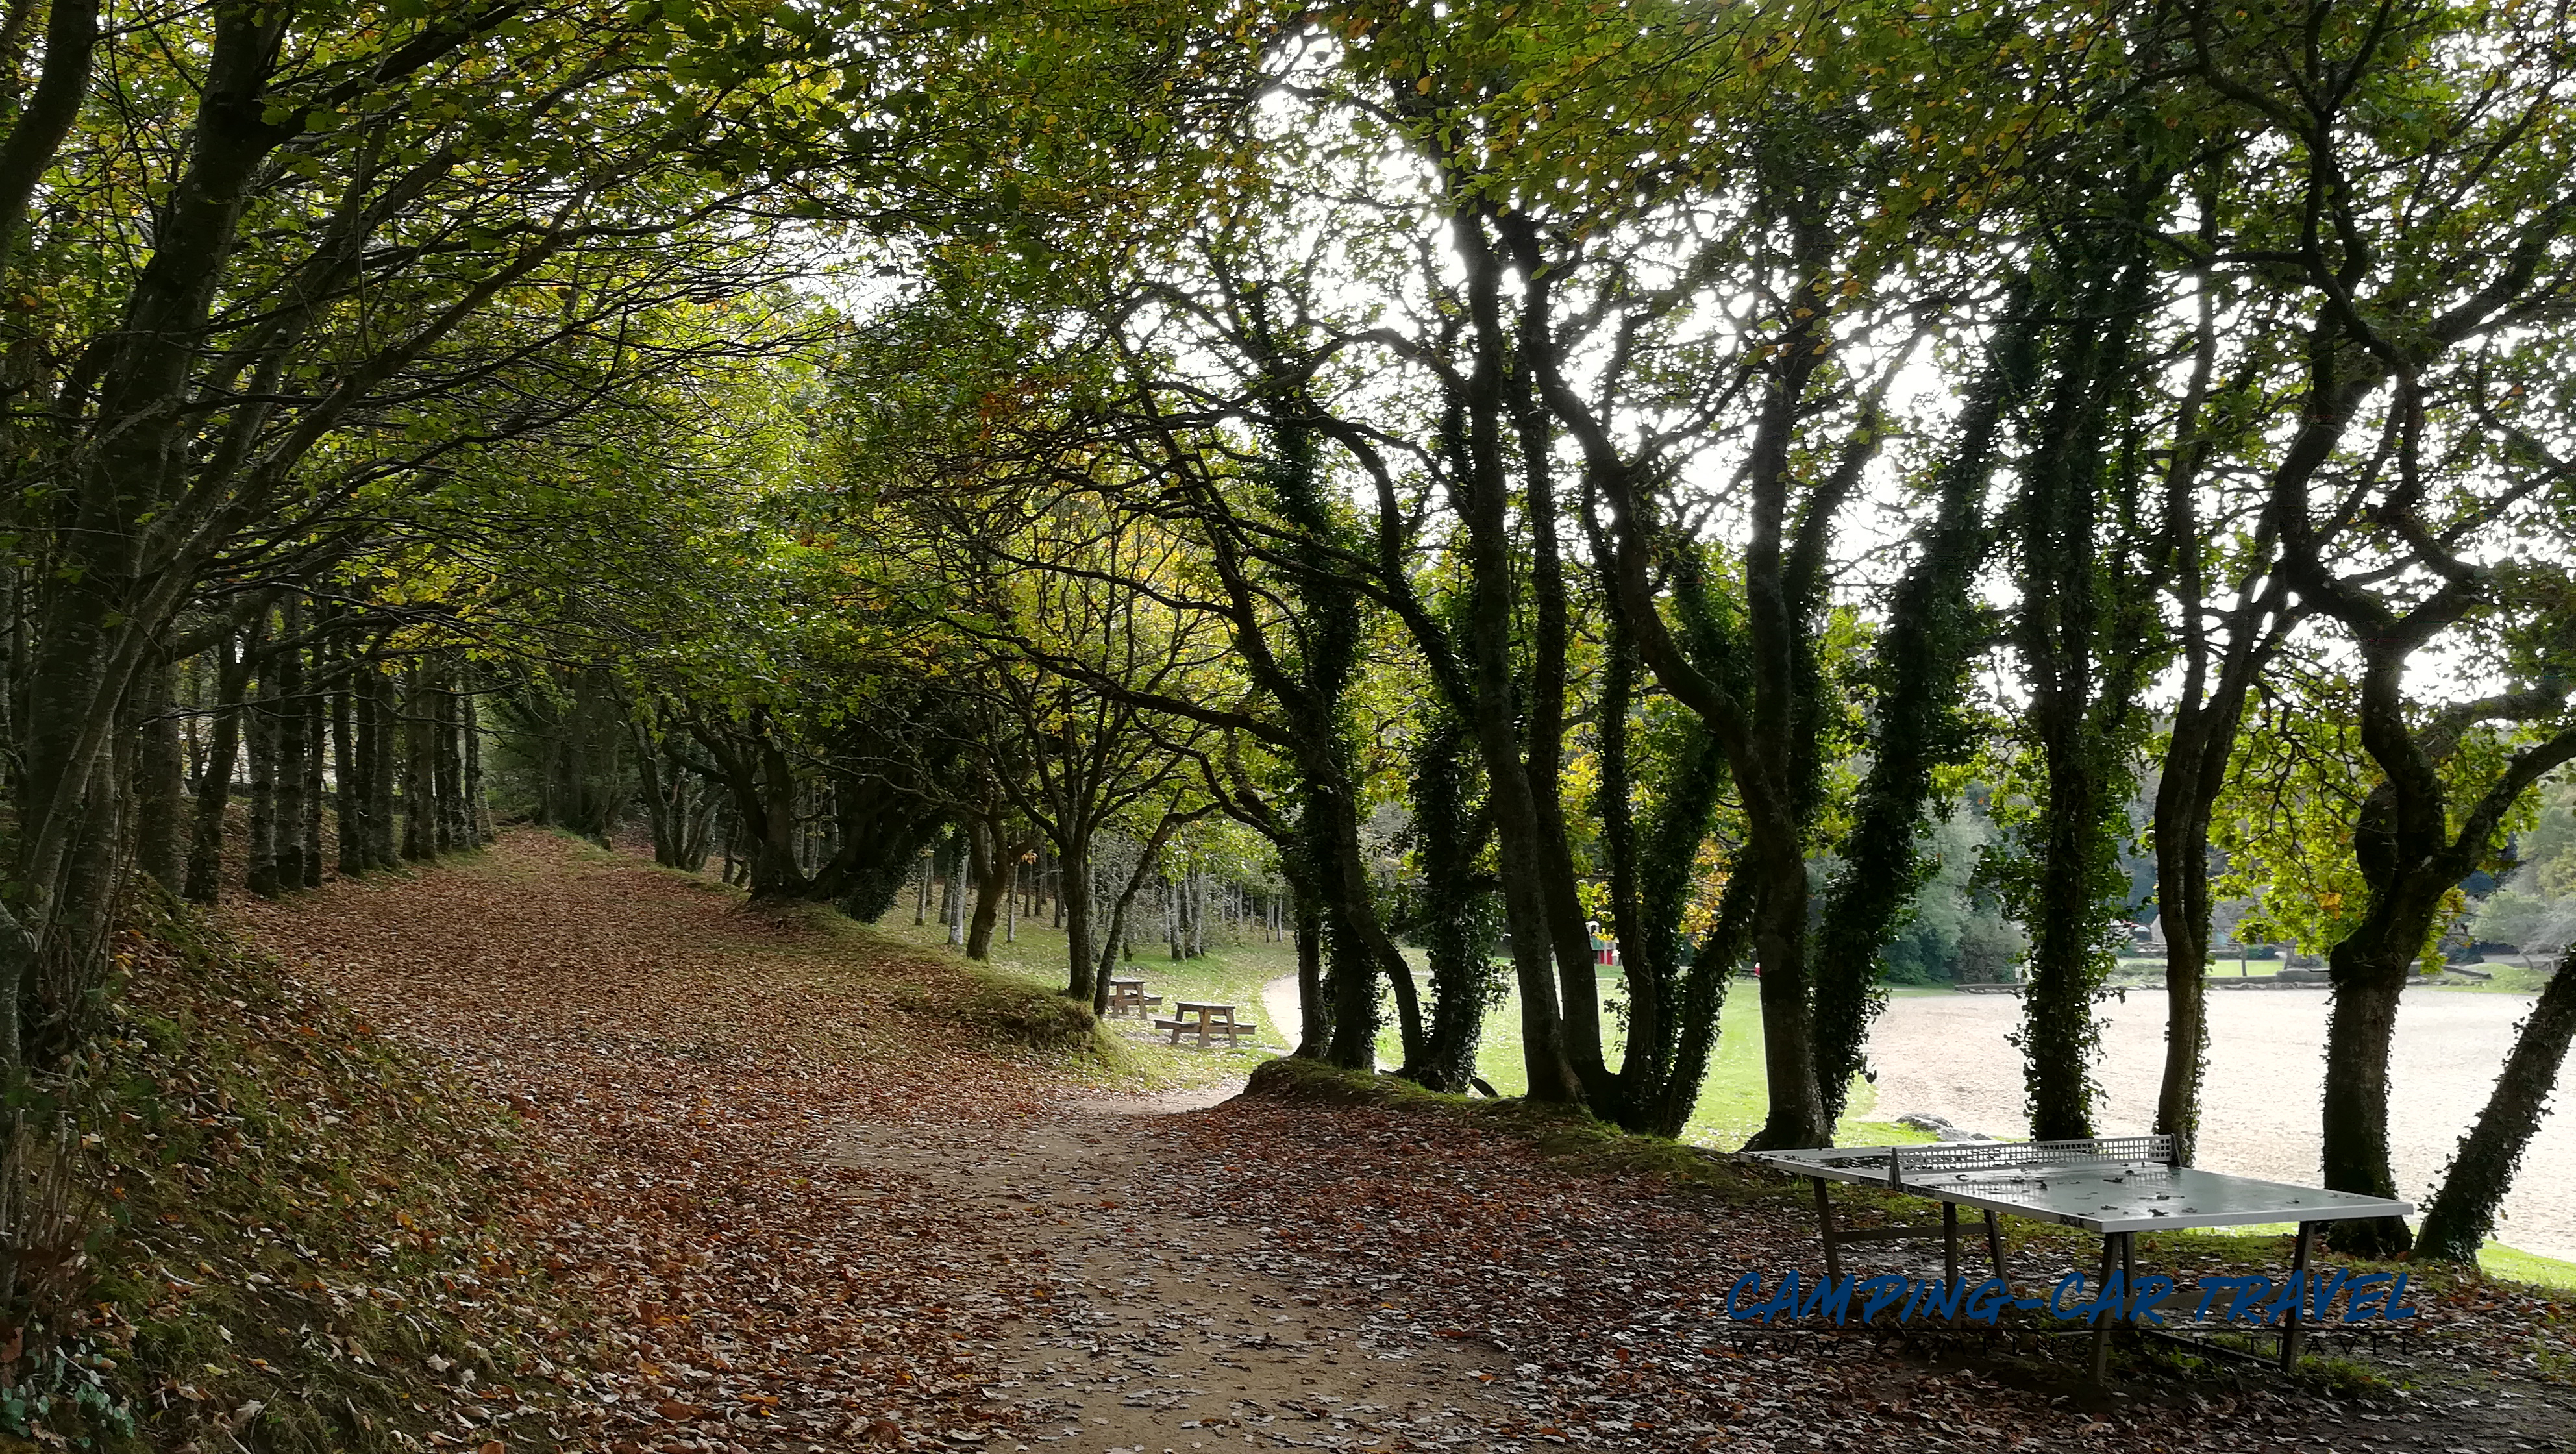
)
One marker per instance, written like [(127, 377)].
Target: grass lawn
[(2511, 978), (1227, 974), (2495, 1259), (1732, 1101)]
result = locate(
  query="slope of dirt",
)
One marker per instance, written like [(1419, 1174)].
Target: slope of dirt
[(821, 1208), (278, 1232)]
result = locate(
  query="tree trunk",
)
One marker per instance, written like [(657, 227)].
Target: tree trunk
[(447, 748), (161, 786), (1797, 1105), (315, 718), (261, 876), (215, 782), (1458, 915), (478, 806), (2368, 976), (1073, 892), (1482, 499), (420, 768), (1315, 1030), (383, 754), (290, 720), (2463, 1212), (349, 792), (994, 862), (958, 853), (1921, 669)]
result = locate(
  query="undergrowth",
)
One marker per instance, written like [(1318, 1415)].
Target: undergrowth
[(274, 1230)]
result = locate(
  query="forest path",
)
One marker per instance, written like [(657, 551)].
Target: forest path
[(811, 1207), (1165, 1334), (1279, 999)]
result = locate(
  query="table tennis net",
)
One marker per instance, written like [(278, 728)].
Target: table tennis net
[(2028, 1159)]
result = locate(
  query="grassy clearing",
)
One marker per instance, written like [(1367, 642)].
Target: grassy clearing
[(1731, 1106), (1227, 974), (1732, 1103), (1733, 1100)]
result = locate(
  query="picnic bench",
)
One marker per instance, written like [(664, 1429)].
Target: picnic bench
[(1206, 1021), (1127, 995), (2112, 1186)]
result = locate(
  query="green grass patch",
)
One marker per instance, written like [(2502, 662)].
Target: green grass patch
[(1734, 1099), (2497, 1260), (2494, 1260), (2507, 979), (1230, 972)]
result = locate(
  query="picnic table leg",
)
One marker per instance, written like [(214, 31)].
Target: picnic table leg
[(1825, 1230), (2294, 1332), (1995, 1247), (2101, 1323)]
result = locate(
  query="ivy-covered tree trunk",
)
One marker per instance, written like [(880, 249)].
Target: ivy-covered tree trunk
[(1457, 918), (1482, 499), (2463, 1211), (1700, 999), (1934, 630), (2086, 634)]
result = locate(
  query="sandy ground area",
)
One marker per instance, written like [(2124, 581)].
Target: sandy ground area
[(1946, 1055)]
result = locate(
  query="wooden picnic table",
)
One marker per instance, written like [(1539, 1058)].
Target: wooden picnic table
[(1129, 994), (1206, 1021)]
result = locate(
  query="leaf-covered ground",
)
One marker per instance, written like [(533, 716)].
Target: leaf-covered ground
[(819, 1202)]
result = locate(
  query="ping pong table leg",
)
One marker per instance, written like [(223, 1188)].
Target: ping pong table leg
[(2294, 1332), (1950, 1242), (2129, 1274), (1995, 1246), (2111, 1252), (1825, 1231)]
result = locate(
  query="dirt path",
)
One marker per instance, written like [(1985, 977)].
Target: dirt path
[(1287, 1011), (1946, 1055), (1164, 1335)]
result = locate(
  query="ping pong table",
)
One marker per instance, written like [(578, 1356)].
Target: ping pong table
[(2112, 1186)]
